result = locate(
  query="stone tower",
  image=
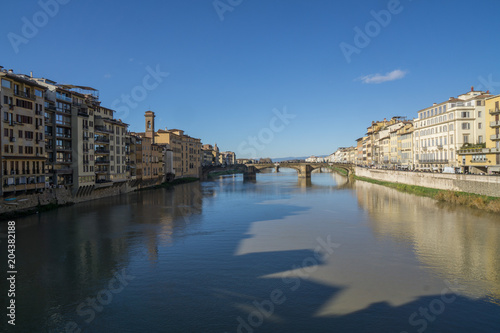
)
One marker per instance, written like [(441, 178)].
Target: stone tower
[(150, 125)]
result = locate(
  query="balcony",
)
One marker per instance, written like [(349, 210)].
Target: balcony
[(101, 139), (102, 129), (495, 111), (439, 146), (63, 135), (64, 98), (495, 137), (50, 107), (24, 95), (100, 161), (67, 148), (63, 123), (433, 161), (101, 151), (495, 124)]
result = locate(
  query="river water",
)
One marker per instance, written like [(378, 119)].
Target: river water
[(275, 255)]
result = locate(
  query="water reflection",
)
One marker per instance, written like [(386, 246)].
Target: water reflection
[(203, 254), (455, 243)]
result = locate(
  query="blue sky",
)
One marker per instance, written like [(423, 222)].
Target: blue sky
[(233, 68)]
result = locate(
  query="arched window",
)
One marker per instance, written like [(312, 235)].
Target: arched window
[(149, 124)]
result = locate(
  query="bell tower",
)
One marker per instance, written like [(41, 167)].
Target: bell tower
[(150, 125)]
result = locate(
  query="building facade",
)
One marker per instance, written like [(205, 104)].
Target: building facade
[(23, 145)]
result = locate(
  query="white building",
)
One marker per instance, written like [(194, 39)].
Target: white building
[(442, 129)]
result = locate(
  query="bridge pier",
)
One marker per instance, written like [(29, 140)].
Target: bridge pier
[(250, 173), (305, 171)]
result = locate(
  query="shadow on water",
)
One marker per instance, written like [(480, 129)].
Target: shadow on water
[(186, 281)]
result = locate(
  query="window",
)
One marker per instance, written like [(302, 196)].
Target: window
[(38, 93), (466, 138), (480, 139), (479, 114), (451, 139), (479, 125), (465, 114), (465, 126), (24, 104), (6, 84)]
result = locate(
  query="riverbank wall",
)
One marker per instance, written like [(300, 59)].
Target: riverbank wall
[(65, 196), (483, 185)]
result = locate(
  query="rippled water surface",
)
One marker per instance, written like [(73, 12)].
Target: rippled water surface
[(275, 255)]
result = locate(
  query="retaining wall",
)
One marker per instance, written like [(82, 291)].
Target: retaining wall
[(64, 196), (484, 185)]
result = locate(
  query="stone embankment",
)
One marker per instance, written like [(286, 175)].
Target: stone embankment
[(483, 185), (64, 196)]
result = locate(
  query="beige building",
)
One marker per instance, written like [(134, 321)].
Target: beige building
[(110, 147), (186, 150), (405, 146), (23, 145), (444, 128), (228, 158), (210, 155)]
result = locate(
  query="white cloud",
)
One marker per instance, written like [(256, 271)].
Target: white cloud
[(379, 78)]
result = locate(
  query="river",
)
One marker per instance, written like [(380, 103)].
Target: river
[(275, 255)]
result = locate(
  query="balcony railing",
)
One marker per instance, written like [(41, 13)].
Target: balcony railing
[(495, 111), (495, 137), (102, 129), (433, 161), (24, 95), (101, 139), (64, 98), (102, 151), (495, 124)]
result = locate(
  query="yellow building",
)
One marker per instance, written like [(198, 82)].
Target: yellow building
[(187, 153), (485, 159), (22, 137), (405, 146)]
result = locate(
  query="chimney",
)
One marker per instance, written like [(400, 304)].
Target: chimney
[(11, 71), (31, 74), (472, 88), (487, 92)]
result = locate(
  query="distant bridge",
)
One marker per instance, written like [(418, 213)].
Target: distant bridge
[(250, 171)]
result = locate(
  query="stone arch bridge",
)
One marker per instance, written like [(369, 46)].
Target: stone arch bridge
[(250, 171)]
